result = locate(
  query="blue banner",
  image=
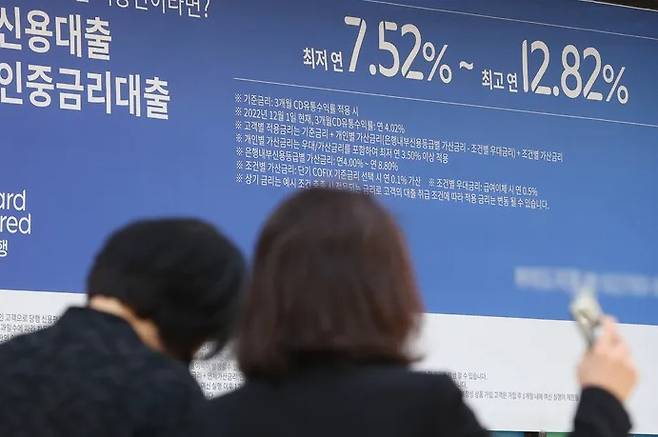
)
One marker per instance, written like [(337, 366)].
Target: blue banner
[(514, 141)]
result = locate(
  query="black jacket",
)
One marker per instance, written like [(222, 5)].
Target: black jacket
[(373, 401), (90, 375)]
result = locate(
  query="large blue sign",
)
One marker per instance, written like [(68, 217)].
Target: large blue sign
[(514, 141)]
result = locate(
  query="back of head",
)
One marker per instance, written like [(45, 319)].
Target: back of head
[(332, 280), (181, 274)]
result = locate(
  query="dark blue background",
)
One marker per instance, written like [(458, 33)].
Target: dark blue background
[(87, 173)]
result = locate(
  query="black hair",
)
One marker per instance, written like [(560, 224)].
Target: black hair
[(181, 274)]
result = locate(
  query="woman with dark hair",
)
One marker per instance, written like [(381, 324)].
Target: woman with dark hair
[(323, 339)]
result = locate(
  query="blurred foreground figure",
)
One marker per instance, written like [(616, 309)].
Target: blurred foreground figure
[(325, 331), (157, 291)]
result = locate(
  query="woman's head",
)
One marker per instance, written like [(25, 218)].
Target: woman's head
[(332, 280)]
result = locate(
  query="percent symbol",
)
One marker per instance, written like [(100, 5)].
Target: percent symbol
[(609, 77), (429, 53)]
